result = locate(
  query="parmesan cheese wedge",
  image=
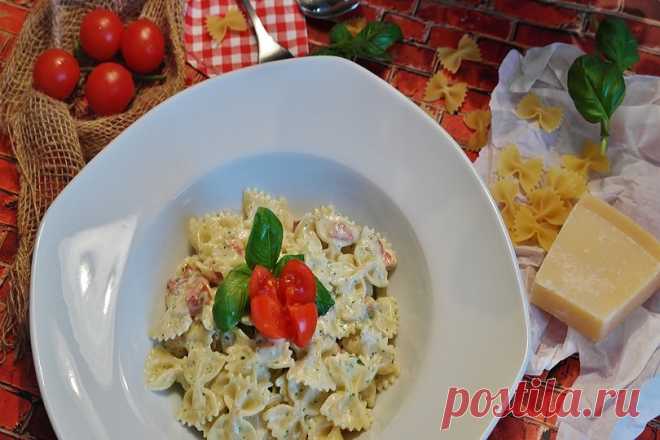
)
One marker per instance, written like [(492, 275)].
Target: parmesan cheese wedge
[(601, 266)]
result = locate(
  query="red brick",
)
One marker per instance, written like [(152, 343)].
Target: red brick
[(475, 101), (318, 31), (432, 109), (11, 17), (363, 11), (8, 176), (14, 409), (8, 245), (494, 51), (646, 34), (381, 70), (393, 5), (414, 57), (443, 37), (19, 373), (8, 209), (643, 8), (476, 75), (510, 428), (536, 12), (465, 19), (611, 5), (566, 372), (410, 84), (532, 36), (412, 29), (648, 64), (456, 128)]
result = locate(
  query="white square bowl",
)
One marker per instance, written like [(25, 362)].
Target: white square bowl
[(317, 130)]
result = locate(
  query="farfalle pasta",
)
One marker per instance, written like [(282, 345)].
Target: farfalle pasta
[(438, 87), (217, 26), (451, 58), (241, 385), (548, 117)]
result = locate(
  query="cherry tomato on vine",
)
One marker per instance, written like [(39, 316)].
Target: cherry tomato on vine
[(100, 34), (302, 319), (297, 283), (269, 317), (109, 89), (262, 282), (56, 73), (143, 46)]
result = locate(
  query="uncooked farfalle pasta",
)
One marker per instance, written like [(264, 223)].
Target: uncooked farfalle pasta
[(239, 384)]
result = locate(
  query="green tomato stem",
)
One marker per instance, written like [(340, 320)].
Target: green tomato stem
[(604, 135)]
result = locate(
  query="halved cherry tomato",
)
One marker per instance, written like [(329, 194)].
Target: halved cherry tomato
[(269, 317), (261, 282), (303, 319), (56, 73), (297, 283), (100, 34)]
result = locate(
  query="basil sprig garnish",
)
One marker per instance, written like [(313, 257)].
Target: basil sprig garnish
[(231, 298), (595, 81), (263, 248), (372, 42)]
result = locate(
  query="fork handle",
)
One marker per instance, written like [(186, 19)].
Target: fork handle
[(259, 28)]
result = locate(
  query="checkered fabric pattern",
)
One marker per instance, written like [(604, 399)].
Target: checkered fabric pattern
[(282, 19)]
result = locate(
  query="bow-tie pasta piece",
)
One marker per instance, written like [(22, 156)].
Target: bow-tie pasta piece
[(547, 206), (527, 227), (276, 355), (530, 107), (451, 58), (202, 365), (355, 25), (233, 20), (528, 171), (249, 397), (591, 159), (253, 199), (438, 87), (311, 369), (231, 426), (242, 360), (287, 420), (333, 326), (345, 408), (161, 369), (384, 315), (568, 184), (504, 192), (219, 241), (197, 336), (337, 232), (384, 381), (321, 428), (198, 407), (479, 121), (177, 319), (370, 253)]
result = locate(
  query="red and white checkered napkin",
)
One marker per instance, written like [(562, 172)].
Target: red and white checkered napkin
[(282, 19)]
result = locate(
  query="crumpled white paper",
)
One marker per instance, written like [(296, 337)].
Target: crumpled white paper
[(630, 356)]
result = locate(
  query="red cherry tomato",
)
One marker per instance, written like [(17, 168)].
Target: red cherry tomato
[(262, 282), (109, 89), (56, 73), (143, 46), (269, 317), (297, 283), (100, 34), (303, 319)]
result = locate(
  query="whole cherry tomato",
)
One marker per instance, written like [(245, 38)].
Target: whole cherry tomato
[(297, 283), (269, 317), (143, 46), (100, 34), (303, 319), (56, 73), (262, 282), (109, 89)]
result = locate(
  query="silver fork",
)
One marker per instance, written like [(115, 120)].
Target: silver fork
[(269, 50)]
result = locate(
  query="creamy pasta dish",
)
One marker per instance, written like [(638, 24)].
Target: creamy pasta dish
[(277, 326)]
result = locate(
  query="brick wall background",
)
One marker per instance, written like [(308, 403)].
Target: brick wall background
[(498, 25)]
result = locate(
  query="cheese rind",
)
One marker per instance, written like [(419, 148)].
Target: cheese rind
[(601, 267)]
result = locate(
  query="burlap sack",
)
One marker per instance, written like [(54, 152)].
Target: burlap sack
[(50, 144)]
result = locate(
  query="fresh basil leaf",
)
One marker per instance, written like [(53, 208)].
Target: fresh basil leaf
[(324, 301), (377, 37), (265, 241), (231, 298), (285, 259), (616, 43), (596, 86), (340, 34)]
